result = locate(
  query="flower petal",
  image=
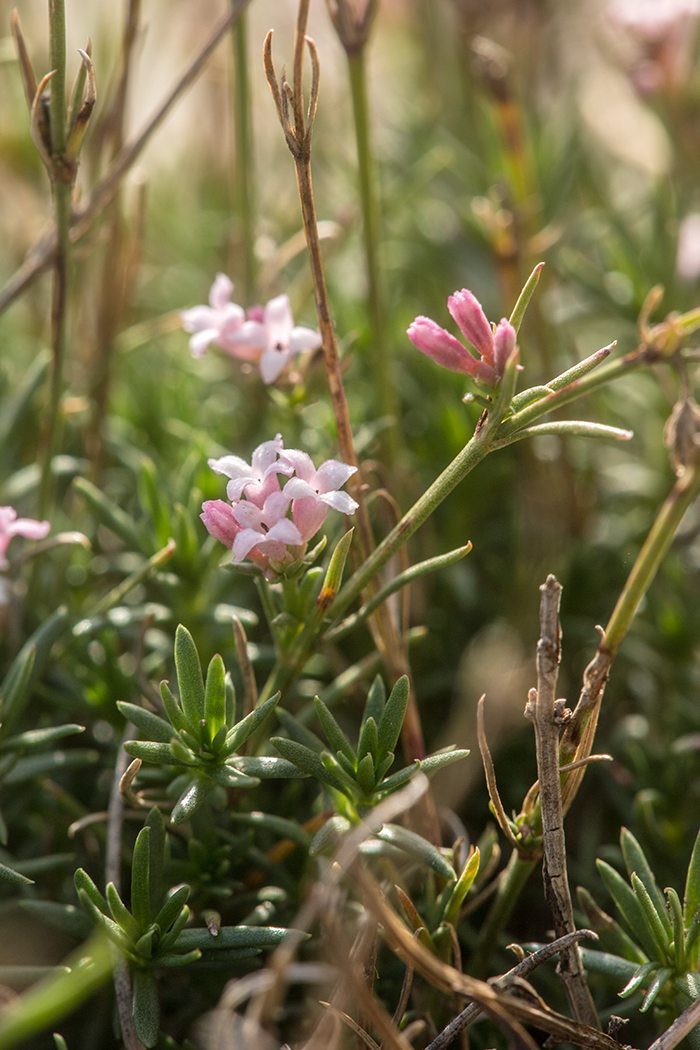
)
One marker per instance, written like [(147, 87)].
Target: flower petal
[(201, 340), (266, 454), (248, 515), (220, 292), (296, 488), (301, 462), (231, 466), (284, 531), (309, 515), (339, 501), (333, 474), (219, 521), (198, 318), (504, 340), (278, 322), (272, 363), (244, 543), (304, 339), (252, 333), (30, 528)]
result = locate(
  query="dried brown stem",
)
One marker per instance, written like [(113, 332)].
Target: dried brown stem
[(546, 715), (490, 773), (41, 254), (679, 1029)]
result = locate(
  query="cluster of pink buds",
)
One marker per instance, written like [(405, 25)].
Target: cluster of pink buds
[(255, 524), (267, 335), (11, 525), (494, 346)]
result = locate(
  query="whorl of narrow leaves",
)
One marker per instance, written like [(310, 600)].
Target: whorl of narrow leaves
[(201, 734)]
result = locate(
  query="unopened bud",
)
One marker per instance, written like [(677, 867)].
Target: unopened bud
[(682, 434)]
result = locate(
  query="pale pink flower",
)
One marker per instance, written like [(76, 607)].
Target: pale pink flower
[(255, 525), (11, 525), (314, 492), (276, 338), (216, 323), (494, 348), (257, 479), (688, 250)]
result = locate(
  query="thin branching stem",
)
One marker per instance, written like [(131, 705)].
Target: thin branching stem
[(245, 157)]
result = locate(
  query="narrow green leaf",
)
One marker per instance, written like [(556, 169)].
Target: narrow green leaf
[(329, 835), (655, 987), (173, 710), (13, 877), (389, 727), (418, 847), (121, 914), (146, 1010), (368, 744), (307, 761), (678, 929), (461, 888), (110, 514), (630, 908), (172, 908), (158, 845), (141, 879), (641, 976), (169, 938), (334, 575), (29, 664), (350, 786), (635, 861), (230, 700), (155, 728), (365, 775), (613, 938), (38, 737), (692, 932), (231, 937), (334, 734), (247, 726), (144, 945), (266, 767), (658, 930), (103, 922), (441, 758), (82, 881), (691, 897), (16, 681), (398, 779), (525, 296), (189, 677), (151, 500), (147, 751), (384, 767), (279, 825), (189, 801), (607, 963), (183, 754), (376, 699), (215, 697)]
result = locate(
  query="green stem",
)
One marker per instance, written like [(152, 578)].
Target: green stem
[(515, 875), (57, 57), (244, 164), (376, 303), (656, 545)]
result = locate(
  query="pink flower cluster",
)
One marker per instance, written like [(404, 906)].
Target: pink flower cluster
[(255, 524), (493, 346), (266, 335), (11, 525)]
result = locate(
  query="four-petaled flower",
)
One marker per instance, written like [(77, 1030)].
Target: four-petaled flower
[(266, 335), (255, 524), (494, 346), (11, 525), (277, 337)]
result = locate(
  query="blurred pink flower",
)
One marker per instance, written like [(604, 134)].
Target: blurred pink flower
[(277, 338), (494, 348), (255, 524), (11, 525), (216, 323), (688, 250)]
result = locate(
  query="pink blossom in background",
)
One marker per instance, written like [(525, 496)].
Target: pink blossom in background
[(216, 323), (494, 348), (277, 338), (256, 525), (688, 250), (264, 335), (11, 525)]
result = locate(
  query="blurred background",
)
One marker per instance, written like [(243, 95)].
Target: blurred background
[(503, 134)]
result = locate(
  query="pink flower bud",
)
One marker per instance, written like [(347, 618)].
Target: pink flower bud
[(219, 521), (434, 341), (504, 340), (467, 312)]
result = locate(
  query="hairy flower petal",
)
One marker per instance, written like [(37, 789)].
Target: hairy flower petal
[(467, 312), (431, 339)]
